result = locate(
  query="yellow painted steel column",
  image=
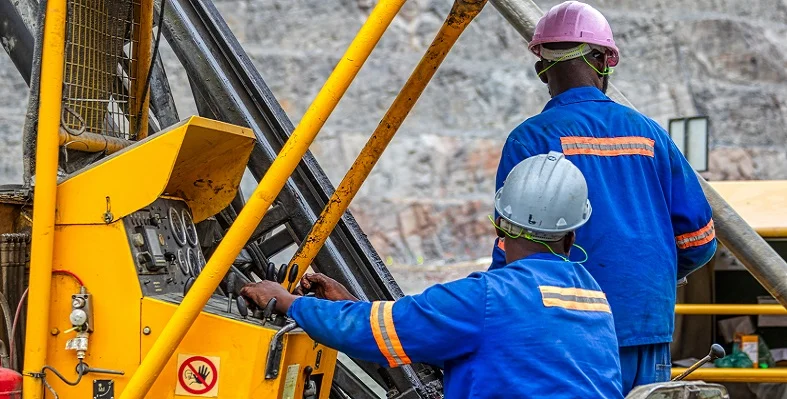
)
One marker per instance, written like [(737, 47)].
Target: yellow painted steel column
[(264, 195), (753, 309), (44, 199), (774, 375), (462, 13)]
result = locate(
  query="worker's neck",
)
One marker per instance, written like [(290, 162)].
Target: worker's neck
[(557, 88), (521, 248)]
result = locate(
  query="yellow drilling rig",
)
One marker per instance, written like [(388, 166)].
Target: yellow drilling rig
[(125, 246)]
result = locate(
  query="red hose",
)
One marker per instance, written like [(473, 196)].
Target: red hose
[(13, 329)]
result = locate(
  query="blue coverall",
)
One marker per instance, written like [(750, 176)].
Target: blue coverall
[(651, 223), (536, 328)]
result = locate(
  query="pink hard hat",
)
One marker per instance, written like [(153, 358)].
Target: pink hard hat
[(573, 21)]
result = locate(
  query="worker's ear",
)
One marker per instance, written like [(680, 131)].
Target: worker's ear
[(499, 232), (568, 242), (540, 67), (600, 61)]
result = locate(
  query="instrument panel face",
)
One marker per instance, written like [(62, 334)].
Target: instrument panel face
[(164, 246)]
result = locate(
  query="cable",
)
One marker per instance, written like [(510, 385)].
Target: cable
[(69, 273), (7, 319), (150, 69), (13, 329), (80, 373)]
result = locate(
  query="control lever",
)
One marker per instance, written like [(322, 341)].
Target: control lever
[(271, 272), (242, 308), (291, 278), (266, 314), (282, 274), (231, 278), (716, 352)]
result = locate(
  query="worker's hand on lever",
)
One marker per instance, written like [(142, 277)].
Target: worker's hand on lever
[(324, 287), (261, 293)]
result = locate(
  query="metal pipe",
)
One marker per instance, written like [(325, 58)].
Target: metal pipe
[(462, 13), (775, 375), (92, 142), (16, 39), (31, 115), (264, 195), (753, 251), (44, 201), (724, 309)]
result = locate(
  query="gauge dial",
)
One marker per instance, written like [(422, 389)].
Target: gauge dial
[(201, 260), (183, 263), (191, 230), (178, 229), (193, 262)]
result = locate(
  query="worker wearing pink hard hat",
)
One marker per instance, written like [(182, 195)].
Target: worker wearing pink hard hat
[(652, 224)]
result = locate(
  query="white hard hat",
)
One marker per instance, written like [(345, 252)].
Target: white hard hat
[(544, 197)]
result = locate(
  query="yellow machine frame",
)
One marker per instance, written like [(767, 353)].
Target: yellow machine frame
[(201, 162)]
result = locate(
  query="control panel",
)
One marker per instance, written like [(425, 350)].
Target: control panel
[(164, 246)]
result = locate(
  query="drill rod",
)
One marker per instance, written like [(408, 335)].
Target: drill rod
[(462, 13)]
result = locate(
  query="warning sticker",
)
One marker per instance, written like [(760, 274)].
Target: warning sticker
[(198, 376)]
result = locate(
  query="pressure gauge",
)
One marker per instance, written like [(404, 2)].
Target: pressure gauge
[(191, 230), (78, 317), (201, 260), (178, 229), (193, 262), (183, 263)]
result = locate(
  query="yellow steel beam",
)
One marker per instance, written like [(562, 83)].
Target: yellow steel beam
[(264, 195), (775, 375), (720, 309), (462, 13), (51, 95)]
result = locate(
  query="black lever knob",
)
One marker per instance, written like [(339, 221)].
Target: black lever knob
[(242, 308), (271, 272), (266, 314), (282, 274), (717, 352)]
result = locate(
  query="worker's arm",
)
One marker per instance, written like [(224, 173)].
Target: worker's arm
[(691, 214), (514, 152), (444, 322)]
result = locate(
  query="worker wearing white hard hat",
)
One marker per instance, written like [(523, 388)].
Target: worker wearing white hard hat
[(652, 224), (539, 327)]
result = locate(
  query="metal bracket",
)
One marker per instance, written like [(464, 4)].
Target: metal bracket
[(275, 349)]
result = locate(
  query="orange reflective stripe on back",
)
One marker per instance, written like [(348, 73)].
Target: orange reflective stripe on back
[(608, 147), (574, 298)]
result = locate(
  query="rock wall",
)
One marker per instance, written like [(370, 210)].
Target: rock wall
[(427, 199)]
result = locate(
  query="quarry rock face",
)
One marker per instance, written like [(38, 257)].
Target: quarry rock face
[(428, 198)]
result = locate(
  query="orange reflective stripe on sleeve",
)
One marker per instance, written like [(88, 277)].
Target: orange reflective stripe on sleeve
[(392, 335), (696, 238), (385, 336), (608, 147), (378, 334)]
